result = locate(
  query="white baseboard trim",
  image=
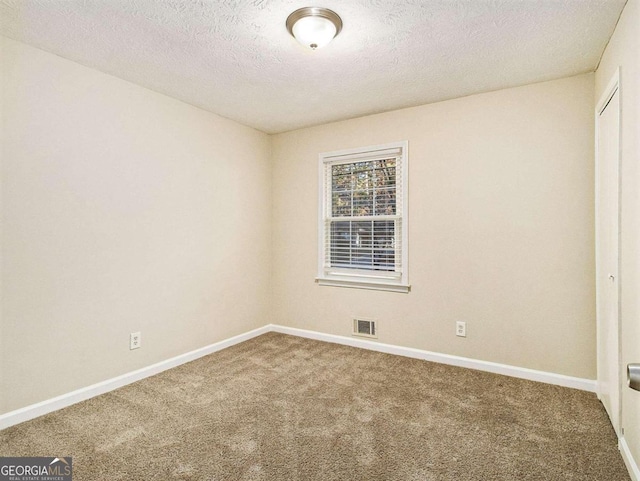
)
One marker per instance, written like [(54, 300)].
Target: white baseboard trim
[(30, 412), (34, 410), (632, 465), (505, 369)]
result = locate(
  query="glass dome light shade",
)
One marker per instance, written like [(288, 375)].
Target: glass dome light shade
[(314, 32)]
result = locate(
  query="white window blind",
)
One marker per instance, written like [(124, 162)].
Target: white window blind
[(363, 221)]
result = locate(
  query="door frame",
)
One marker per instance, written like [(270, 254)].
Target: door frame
[(612, 88)]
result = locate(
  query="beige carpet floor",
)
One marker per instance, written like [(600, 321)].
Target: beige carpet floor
[(280, 407)]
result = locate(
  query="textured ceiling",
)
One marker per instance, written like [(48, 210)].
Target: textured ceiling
[(236, 58)]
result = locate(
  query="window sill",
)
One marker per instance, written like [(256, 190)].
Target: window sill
[(361, 284)]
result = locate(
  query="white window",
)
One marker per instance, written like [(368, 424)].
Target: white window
[(363, 218)]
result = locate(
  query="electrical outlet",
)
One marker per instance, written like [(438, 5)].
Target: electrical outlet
[(135, 340), (461, 329)]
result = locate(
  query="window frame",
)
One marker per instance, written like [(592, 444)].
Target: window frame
[(396, 280)]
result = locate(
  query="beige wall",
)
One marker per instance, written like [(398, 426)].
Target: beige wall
[(125, 210), (501, 228), (3, 338), (624, 51), (122, 210)]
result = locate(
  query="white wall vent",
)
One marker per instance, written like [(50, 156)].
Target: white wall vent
[(365, 328)]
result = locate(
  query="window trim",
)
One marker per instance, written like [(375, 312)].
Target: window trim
[(363, 279)]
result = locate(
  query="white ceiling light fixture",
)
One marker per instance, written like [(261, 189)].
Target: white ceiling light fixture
[(314, 27)]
